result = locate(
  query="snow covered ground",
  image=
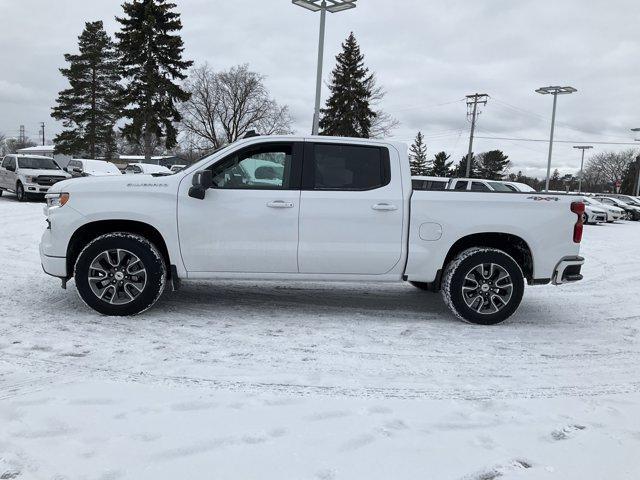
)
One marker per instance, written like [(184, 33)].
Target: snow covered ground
[(254, 380)]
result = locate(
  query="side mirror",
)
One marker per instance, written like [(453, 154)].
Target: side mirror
[(202, 181)]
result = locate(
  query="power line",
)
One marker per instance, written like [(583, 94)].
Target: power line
[(556, 141), (423, 106)]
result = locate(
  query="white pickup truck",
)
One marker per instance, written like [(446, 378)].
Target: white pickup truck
[(315, 208)]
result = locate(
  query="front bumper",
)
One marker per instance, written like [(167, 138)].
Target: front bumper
[(55, 266), (35, 189), (568, 270)]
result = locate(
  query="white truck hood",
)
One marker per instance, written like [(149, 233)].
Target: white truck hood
[(36, 172), (117, 184)]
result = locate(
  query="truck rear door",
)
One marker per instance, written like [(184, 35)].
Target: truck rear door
[(351, 209)]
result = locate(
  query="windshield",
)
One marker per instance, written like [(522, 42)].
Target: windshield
[(499, 187), (37, 163)]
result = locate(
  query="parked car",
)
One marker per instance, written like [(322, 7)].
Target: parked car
[(633, 212), (519, 187), (340, 209), (176, 168), (29, 175), (148, 168), (423, 182), (594, 215), (613, 213), (627, 199), (478, 185), (79, 167)]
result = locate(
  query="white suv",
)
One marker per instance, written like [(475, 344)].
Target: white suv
[(29, 175)]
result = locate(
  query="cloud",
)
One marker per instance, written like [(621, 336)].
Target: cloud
[(427, 55)]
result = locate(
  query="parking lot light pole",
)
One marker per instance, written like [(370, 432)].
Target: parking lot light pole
[(555, 91), (583, 148), (637, 185), (322, 6)]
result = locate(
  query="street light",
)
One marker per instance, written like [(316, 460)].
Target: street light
[(583, 148), (637, 185), (322, 6), (555, 91)]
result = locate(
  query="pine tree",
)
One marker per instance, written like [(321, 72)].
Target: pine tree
[(554, 182), (151, 57), (418, 156), (441, 167), (460, 169), (492, 165), (90, 107), (348, 110)]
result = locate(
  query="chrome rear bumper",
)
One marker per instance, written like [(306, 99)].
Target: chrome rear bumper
[(568, 270)]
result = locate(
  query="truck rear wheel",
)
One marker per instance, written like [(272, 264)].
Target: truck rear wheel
[(483, 286), (120, 274)]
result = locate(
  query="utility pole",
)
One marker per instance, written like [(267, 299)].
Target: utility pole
[(42, 132), (555, 91), (21, 136), (472, 111), (583, 148), (636, 184)]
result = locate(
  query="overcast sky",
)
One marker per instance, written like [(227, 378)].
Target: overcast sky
[(426, 54)]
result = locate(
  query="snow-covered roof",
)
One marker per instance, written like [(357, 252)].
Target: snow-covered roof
[(37, 149), (133, 158)]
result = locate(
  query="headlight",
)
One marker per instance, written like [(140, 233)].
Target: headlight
[(30, 179), (56, 199)]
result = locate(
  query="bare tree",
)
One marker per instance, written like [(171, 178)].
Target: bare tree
[(3, 146), (606, 168), (383, 123), (225, 105)]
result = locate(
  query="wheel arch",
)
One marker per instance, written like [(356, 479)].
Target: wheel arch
[(509, 243), (92, 230)]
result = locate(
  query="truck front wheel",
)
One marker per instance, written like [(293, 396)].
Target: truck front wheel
[(483, 285), (120, 274)]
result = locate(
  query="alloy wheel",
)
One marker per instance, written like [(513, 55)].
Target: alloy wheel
[(487, 288), (117, 276)]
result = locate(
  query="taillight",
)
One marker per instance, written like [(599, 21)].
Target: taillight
[(578, 209)]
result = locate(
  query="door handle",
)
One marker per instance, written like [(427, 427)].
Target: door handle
[(386, 207), (279, 204)]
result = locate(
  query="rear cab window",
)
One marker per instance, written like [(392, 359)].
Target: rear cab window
[(479, 187)]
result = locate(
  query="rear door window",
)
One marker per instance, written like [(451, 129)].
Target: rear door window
[(345, 167), (461, 185)]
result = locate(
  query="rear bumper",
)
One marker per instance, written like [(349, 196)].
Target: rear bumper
[(568, 270)]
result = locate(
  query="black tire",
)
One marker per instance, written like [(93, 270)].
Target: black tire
[(457, 288), (585, 218), (148, 285), (20, 195), (421, 286)]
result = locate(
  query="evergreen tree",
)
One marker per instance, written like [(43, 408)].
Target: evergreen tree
[(460, 169), (555, 183), (151, 57), (441, 167), (348, 111), (630, 177), (90, 107), (418, 156), (492, 165)]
